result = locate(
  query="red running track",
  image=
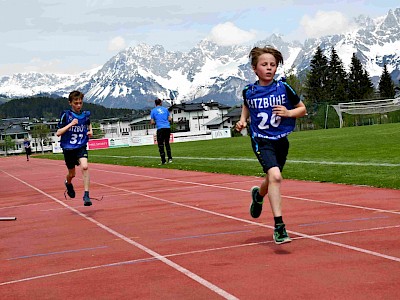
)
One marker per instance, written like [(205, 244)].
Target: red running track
[(169, 234)]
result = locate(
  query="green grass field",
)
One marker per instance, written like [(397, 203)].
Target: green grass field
[(366, 155)]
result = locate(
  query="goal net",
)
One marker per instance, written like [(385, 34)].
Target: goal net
[(367, 107)]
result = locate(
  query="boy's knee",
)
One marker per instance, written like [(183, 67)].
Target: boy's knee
[(276, 178)]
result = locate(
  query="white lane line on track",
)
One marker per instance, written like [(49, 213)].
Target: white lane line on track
[(301, 236), (349, 247), (154, 254), (141, 260), (242, 190)]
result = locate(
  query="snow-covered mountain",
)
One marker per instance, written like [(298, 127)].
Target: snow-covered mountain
[(135, 76)]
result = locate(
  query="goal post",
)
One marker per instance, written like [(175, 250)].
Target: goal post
[(366, 107)]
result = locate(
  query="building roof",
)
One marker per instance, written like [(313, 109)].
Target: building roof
[(14, 129), (187, 107), (198, 106), (141, 122), (116, 120), (236, 112), (216, 121)]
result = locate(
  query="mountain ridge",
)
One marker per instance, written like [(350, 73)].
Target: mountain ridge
[(135, 76)]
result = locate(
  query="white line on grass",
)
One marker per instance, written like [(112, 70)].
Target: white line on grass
[(340, 163)]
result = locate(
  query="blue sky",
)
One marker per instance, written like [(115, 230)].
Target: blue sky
[(70, 36)]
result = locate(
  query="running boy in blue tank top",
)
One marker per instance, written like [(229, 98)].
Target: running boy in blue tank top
[(272, 107), (75, 130)]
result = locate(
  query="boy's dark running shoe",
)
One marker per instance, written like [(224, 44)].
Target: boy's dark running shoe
[(255, 206), (86, 200), (70, 189), (280, 235)]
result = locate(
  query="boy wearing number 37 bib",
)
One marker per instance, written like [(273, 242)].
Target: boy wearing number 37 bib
[(75, 130), (271, 106)]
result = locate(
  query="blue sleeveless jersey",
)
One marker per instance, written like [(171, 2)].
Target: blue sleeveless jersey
[(260, 101), (76, 137)]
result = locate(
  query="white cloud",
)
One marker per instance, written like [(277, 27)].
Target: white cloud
[(116, 44), (37, 64), (227, 34), (325, 23)]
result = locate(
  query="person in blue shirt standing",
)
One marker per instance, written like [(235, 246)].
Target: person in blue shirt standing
[(27, 147), (272, 107), (161, 118), (75, 130)]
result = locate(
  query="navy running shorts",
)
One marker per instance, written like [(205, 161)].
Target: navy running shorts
[(270, 153), (72, 156)]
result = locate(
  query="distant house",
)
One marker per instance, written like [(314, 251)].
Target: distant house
[(199, 116), (190, 121), (19, 128), (186, 117), (226, 120), (116, 127)]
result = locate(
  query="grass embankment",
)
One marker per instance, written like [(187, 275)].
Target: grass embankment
[(366, 155)]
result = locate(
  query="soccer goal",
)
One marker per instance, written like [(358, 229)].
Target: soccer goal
[(367, 107)]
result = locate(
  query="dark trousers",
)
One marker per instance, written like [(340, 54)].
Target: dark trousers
[(163, 139), (28, 152)]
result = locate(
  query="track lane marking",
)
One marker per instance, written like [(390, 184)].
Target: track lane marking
[(182, 254), (152, 253)]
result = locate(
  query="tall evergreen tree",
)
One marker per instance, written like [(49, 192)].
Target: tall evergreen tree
[(317, 79), (360, 86), (295, 82), (386, 85), (337, 82)]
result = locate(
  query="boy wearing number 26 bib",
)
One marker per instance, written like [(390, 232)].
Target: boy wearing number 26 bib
[(271, 107), (75, 130)]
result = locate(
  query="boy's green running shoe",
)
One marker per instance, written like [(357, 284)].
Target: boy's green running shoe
[(255, 206), (280, 235)]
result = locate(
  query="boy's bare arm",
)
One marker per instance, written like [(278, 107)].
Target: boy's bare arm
[(242, 123), (90, 131), (63, 130), (297, 112)]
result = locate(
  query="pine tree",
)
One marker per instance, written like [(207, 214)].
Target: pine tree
[(360, 86), (337, 83), (386, 85), (317, 79), (294, 81)]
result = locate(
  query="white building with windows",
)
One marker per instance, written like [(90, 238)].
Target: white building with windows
[(190, 121), (194, 117), (17, 129)]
